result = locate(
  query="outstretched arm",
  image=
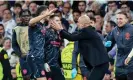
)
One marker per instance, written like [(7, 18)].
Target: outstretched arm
[(40, 17)]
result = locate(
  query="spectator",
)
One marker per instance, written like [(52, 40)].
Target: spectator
[(33, 8), (66, 13), (8, 23), (7, 46), (82, 7), (92, 23), (95, 6), (90, 13), (52, 5), (125, 8), (99, 22), (16, 9), (2, 8), (112, 11), (2, 33), (73, 25), (63, 20)]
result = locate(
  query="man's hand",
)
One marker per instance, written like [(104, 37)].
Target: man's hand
[(50, 12), (56, 26), (127, 60), (47, 67)]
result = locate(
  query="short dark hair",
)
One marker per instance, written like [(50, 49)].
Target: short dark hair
[(99, 14), (90, 11), (110, 2), (112, 23), (124, 4), (124, 13), (32, 2), (17, 5), (41, 9), (8, 10), (93, 19), (54, 3), (6, 38), (2, 25), (83, 2), (52, 16), (76, 11)]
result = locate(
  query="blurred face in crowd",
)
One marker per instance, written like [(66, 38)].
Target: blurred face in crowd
[(95, 7), (90, 14), (13, 73), (129, 16), (112, 7), (92, 23), (81, 6), (25, 17), (51, 6), (108, 27), (33, 8), (18, 20), (98, 18), (7, 44), (2, 8), (1, 31), (66, 8), (17, 10), (2, 2), (125, 8), (121, 20), (7, 15), (76, 16)]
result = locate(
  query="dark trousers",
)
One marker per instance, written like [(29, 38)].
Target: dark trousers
[(125, 77), (55, 74), (121, 77), (130, 76), (97, 72)]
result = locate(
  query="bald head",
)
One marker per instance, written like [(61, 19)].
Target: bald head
[(83, 21)]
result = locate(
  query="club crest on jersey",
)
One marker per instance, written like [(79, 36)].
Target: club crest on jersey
[(127, 36)]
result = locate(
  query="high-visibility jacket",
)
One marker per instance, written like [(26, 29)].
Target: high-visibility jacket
[(1, 71), (66, 58), (18, 72), (5, 69)]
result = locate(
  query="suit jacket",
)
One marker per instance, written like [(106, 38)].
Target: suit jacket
[(90, 45)]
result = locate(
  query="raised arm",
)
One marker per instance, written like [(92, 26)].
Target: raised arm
[(40, 17)]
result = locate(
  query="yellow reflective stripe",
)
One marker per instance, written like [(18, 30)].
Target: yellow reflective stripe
[(1, 49), (18, 72), (1, 72)]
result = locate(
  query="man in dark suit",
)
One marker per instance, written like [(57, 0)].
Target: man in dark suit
[(90, 46)]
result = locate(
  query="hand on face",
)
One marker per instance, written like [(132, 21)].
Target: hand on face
[(56, 25)]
